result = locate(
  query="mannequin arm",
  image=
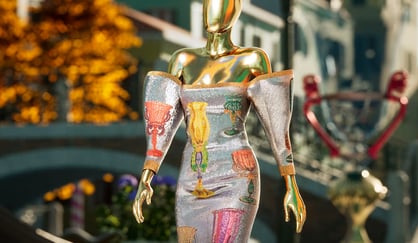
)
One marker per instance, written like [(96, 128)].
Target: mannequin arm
[(294, 202), (272, 98), (162, 116), (144, 193)]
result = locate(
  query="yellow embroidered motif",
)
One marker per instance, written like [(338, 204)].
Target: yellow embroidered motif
[(199, 130)]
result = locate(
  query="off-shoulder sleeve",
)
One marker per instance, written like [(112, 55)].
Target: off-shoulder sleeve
[(162, 114), (272, 97)]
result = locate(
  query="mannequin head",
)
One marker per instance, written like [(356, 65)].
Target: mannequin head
[(220, 15)]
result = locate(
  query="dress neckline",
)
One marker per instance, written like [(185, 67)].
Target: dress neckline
[(217, 85), (224, 84)]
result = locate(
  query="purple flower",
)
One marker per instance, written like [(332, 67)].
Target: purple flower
[(132, 195), (127, 180), (163, 180)]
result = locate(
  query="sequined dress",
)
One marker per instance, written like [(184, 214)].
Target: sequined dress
[(218, 188)]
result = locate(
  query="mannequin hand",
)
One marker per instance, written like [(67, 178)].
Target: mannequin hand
[(144, 193), (294, 202)]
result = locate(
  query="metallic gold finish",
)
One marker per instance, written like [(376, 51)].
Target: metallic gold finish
[(144, 193), (220, 15), (356, 196), (294, 202), (220, 61), (210, 74), (203, 67), (287, 170), (152, 165)]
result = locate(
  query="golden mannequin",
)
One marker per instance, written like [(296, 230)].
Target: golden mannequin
[(221, 62)]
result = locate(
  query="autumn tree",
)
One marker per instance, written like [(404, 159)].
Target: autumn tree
[(80, 50), (23, 94)]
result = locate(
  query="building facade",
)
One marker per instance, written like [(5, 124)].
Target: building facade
[(335, 44)]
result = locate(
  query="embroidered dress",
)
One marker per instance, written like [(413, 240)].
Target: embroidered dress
[(218, 187)]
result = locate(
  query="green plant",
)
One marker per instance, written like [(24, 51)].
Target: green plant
[(159, 222)]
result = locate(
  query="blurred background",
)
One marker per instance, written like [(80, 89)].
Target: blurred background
[(72, 135)]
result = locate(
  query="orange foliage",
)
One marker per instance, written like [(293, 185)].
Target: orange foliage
[(80, 44)]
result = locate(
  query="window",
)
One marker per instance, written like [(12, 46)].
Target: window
[(242, 37), (300, 40), (410, 62), (256, 41), (165, 14), (359, 2)]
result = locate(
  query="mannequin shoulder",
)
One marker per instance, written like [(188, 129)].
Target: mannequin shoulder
[(254, 52), (180, 58), (257, 59), (185, 54)]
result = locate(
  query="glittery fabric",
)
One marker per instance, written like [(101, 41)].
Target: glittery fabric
[(218, 188), (272, 98), (161, 125), (225, 205)]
